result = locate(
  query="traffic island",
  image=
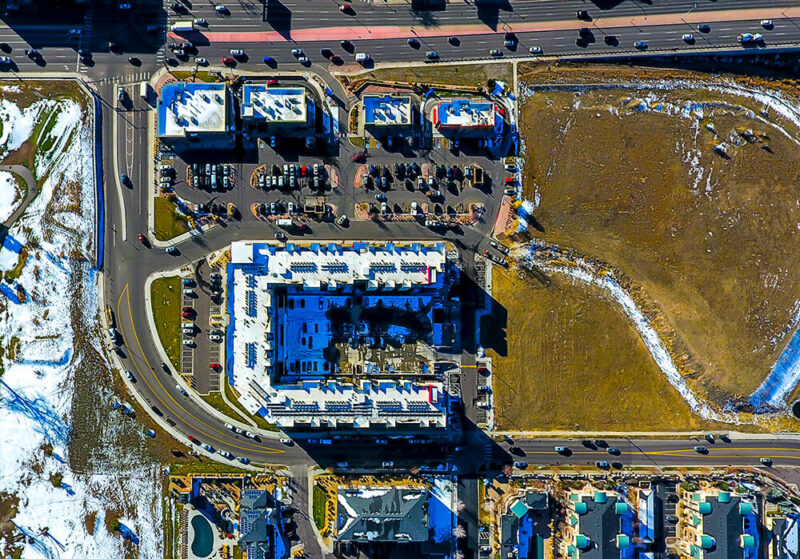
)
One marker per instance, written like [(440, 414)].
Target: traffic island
[(167, 222), (165, 304)]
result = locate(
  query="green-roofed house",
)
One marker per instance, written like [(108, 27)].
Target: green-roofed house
[(599, 526), (717, 524)]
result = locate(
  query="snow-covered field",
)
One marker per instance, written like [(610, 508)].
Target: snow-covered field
[(53, 302), (10, 195)]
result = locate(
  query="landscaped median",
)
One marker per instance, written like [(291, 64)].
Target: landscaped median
[(167, 222), (165, 299), (215, 400)]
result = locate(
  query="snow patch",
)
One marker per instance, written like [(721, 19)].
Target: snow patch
[(10, 195)]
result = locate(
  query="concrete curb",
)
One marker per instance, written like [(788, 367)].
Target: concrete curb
[(189, 390)]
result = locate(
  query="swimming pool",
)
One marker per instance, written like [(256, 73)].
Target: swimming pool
[(203, 540)]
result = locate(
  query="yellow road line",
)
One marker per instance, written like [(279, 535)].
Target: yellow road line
[(249, 448)]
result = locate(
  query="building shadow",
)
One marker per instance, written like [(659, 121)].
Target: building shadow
[(90, 26), (279, 17), (489, 11)]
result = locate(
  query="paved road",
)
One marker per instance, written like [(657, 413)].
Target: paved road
[(32, 189)]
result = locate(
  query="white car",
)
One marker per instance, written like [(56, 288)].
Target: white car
[(688, 38), (201, 61), (200, 21), (362, 57), (286, 441), (297, 52), (767, 24), (249, 435), (221, 8), (237, 52), (535, 50), (225, 454), (387, 464)]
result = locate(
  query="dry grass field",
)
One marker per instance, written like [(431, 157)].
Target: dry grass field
[(689, 191), (587, 366)]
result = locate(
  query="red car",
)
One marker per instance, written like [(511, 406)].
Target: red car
[(142, 239), (359, 157), (303, 171), (346, 8), (195, 441), (228, 61), (510, 180), (272, 82), (187, 314), (187, 309), (215, 366)]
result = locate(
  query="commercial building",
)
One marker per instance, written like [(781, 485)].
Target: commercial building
[(599, 525), (387, 114), (194, 111), (277, 110), (717, 524), (397, 514), (467, 117), (341, 334)]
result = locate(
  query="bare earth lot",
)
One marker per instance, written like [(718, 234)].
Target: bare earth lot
[(706, 236)]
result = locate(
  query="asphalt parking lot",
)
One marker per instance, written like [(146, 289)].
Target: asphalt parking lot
[(435, 184)]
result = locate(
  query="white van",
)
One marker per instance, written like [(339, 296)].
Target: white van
[(362, 57)]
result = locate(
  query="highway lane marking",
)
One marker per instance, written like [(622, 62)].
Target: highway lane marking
[(142, 376)]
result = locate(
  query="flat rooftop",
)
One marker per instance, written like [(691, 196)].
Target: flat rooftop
[(464, 113), (382, 266), (387, 110), (274, 104), (186, 109), (299, 313)]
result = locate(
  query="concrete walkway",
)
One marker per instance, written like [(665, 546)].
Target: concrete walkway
[(32, 187)]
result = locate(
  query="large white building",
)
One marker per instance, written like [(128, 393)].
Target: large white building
[(187, 110), (296, 310)]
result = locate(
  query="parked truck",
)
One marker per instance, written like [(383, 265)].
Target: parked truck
[(144, 90)]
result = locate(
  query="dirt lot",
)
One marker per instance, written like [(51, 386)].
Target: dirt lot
[(567, 340), (632, 177)]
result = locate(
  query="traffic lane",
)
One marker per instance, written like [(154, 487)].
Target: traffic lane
[(657, 452), (377, 452), (474, 47), (244, 17)]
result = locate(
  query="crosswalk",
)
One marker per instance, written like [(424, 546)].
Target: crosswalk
[(125, 80)]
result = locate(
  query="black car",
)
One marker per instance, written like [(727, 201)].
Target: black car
[(583, 15), (166, 369), (327, 53)]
